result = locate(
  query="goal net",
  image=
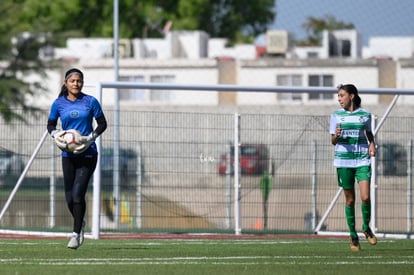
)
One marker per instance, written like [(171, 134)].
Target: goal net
[(172, 170)]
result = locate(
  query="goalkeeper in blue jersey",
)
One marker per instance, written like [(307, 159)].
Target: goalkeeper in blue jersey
[(77, 110), (350, 129)]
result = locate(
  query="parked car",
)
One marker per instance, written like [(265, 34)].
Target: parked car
[(10, 163), (254, 159), (392, 159), (128, 161)]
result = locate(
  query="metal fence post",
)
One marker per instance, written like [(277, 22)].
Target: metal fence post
[(139, 187), (409, 186), (373, 183), (52, 188), (228, 185), (314, 186), (237, 187)]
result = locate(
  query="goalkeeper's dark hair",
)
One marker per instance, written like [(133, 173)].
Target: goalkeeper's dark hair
[(64, 89)]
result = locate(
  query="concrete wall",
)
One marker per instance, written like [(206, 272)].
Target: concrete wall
[(364, 73)]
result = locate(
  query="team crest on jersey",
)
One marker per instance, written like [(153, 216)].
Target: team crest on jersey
[(361, 119), (74, 114)]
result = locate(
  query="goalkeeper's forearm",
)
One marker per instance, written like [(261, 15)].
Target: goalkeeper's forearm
[(51, 125), (101, 126)]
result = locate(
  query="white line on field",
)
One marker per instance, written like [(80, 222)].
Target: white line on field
[(229, 260)]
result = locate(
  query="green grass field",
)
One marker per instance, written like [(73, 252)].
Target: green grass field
[(201, 256)]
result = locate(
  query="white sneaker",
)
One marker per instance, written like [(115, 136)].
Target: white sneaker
[(74, 241), (81, 235)]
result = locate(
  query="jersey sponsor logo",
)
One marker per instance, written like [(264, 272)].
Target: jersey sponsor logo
[(350, 133), (74, 114)]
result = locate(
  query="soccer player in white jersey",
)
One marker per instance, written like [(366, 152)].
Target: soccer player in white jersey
[(350, 129)]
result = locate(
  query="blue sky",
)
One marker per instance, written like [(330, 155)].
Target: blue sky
[(371, 17)]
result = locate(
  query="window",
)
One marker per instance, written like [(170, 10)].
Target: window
[(340, 48), (345, 48), (132, 94), (312, 55), (289, 80), (161, 95), (320, 81)]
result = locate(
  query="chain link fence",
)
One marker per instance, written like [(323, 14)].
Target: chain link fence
[(174, 175)]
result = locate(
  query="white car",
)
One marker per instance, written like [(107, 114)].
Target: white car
[(10, 163)]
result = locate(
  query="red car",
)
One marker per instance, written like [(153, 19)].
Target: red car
[(254, 159)]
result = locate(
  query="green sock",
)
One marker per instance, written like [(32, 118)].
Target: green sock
[(350, 219), (366, 215)]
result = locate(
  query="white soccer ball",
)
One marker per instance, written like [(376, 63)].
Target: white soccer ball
[(71, 138)]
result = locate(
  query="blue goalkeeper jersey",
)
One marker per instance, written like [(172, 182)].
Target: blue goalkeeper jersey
[(77, 115)]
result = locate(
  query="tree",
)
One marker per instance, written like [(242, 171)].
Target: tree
[(236, 20), (315, 26), (19, 52), (52, 22), (233, 19)]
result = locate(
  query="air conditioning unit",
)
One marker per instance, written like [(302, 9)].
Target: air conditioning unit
[(278, 42), (124, 48)]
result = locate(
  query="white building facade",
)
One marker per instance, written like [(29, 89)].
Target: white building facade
[(193, 58)]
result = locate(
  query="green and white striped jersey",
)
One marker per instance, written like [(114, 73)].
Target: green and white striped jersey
[(351, 149)]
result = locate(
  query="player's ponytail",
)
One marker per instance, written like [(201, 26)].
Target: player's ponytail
[(357, 101), (63, 91)]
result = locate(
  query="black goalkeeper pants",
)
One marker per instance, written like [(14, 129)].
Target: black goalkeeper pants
[(77, 173)]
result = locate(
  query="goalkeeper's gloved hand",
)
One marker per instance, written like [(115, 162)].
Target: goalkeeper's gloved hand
[(87, 139), (85, 142), (57, 132), (82, 147), (57, 136)]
